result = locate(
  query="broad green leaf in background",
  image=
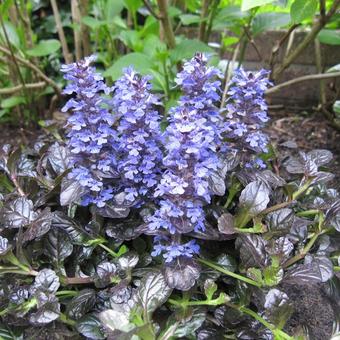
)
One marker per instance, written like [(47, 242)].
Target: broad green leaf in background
[(248, 4), (302, 9), (92, 22), (12, 34), (330, 37), (187, 48), (12, 102), (44, 47), (335, 68), (188, 19), (270, 20), (336, 108), (132, 5), (113, 8), (139, 61)]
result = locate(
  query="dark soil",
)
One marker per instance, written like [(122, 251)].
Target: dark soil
[(311, 131), (313, 312)]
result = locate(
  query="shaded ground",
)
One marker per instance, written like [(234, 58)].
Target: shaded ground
[(309, 132)]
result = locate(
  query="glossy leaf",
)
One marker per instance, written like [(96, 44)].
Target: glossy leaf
[(152, 292), (182, 274), (255, 197), (58, 245), (302, 9), (81, 304), (90, 327)]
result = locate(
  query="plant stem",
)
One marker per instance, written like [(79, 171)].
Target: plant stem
[(33, 67), (204, 12), (18, 88), (166, 23), (110, 251), (301, 79), (307, 213), (316, 28), (229, 273), (66, 54), (63, 318)]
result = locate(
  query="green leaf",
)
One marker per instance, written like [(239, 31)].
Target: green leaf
[(248, 4), (270, 20), (188, 19), (93, 23), (139, 61), (44, 47), (187, 48), (132, 5), (329, 37), (13, 101), (12, 34), (113, 8), (335, 68), (302, 9), (336, 107)]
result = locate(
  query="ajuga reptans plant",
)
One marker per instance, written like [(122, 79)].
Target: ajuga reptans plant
[(255, 249)]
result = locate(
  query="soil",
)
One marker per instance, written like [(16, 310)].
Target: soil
[(312, 312), (308, 131)]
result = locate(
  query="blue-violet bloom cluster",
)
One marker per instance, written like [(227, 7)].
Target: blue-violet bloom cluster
[(246, 114), (191, 140), (91, 139), (139, 129)]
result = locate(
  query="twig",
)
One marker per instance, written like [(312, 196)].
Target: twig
[(316, 28), (301, 79), (279, 44), (11, 90), (33, 67), (203, 24), (251, 40), (61, 34), (76, 19), (213, 12), (166, 23), (322, 9), (151, 10), (318, 60), (17, 185), (85, 31), (228, 73)]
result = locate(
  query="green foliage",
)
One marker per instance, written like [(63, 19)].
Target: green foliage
[(124, 33), (303, 9)]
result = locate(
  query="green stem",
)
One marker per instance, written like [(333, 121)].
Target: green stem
[(110, 251), (66, 293), (277, 332), (301, 190), (307, 213), (63, 318), (336, 268), (229, 273)]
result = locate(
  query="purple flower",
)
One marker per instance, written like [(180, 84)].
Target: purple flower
[(191, 141), (139, 142), (91, 139), (246, 113)]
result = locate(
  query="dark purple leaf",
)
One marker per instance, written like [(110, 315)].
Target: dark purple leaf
[(254, 197), (4, 246), (18, 213), (320, 156), (225, 224), (81, 304), (280, 219), (252, 250), (90, 327), (152, 292), (182, 273), (71, 192), (58, 245), (39, 227), (46, 281)]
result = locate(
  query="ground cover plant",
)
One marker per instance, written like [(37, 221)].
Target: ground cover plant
[(135, 222)]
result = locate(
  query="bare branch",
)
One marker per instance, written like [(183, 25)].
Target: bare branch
[(301, 79), (14, 89), (151, 10)]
